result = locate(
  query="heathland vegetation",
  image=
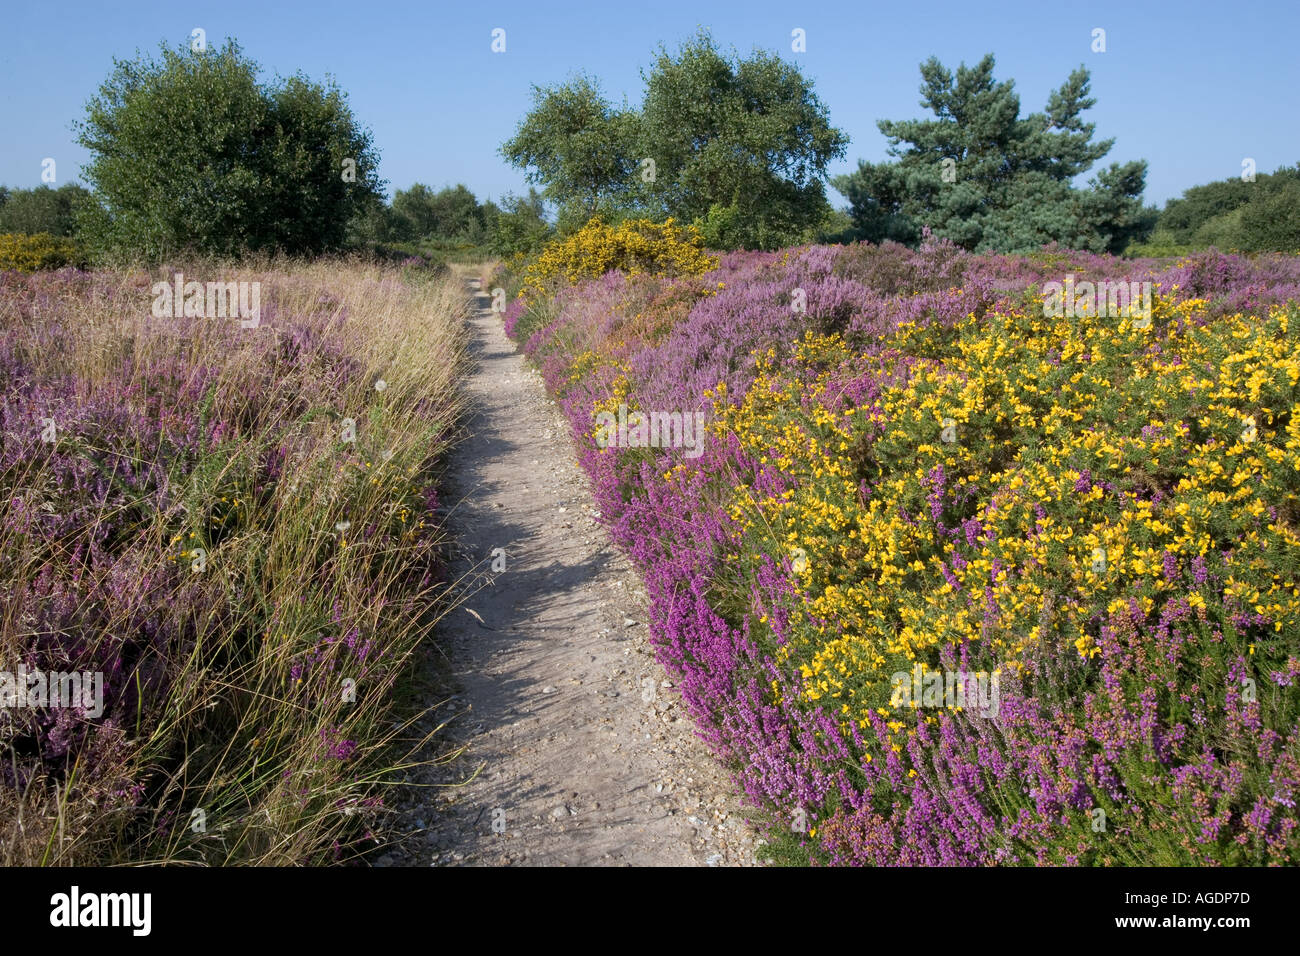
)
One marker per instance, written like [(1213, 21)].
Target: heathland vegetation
[(985, 429), (222, 524), (917, 478)]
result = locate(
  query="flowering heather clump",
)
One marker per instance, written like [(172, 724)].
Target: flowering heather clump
[(235, 527), (913, 469)]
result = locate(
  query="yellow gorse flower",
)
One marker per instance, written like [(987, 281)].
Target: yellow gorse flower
[(635, 246)]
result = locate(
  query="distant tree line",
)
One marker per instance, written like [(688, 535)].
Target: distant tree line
[(453, 218), (192, 152), (42, 209), (1253, 214)]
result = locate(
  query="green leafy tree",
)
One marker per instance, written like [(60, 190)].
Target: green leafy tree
[(373, 224), (460, 215), (191, 152), (518, 226), (43, 209), (1271, 221), (1258, 216), (985, 177), (450, 213), (1199, 204), (579, 148), (412, 212), (740, 146)]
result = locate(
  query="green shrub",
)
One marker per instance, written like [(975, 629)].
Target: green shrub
[(192, 153), (34, 211)]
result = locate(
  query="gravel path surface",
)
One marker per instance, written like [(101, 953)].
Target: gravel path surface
[(575, 749)]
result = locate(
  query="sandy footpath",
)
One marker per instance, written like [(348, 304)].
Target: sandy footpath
[(575, 746)]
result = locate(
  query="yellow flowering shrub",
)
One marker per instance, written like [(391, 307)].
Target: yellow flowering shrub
[(1049, 468), (635, 246), (922, 476), (24, 253)]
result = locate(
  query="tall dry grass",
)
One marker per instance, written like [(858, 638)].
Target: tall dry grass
[(237, 527)]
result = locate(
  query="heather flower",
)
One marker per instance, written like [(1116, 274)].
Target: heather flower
[(967, 486)]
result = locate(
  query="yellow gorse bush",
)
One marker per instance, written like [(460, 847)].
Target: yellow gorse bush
[(1032, 440), (24, 253), (635, 246)]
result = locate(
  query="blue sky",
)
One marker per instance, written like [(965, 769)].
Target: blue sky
[(1193, 87)]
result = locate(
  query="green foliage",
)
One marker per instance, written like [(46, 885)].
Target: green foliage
[(1272, 221), (984, 177), (518, 227), (578, 147), (739, 147), (371, 224), (42, 209), (1199, 204), (191, 153), (1159, 244), (450, 213), (450, 225), (835, 228), (1259, 216), (722, 227)]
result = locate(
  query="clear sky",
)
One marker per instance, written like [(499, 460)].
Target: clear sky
[(1192, 86)]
